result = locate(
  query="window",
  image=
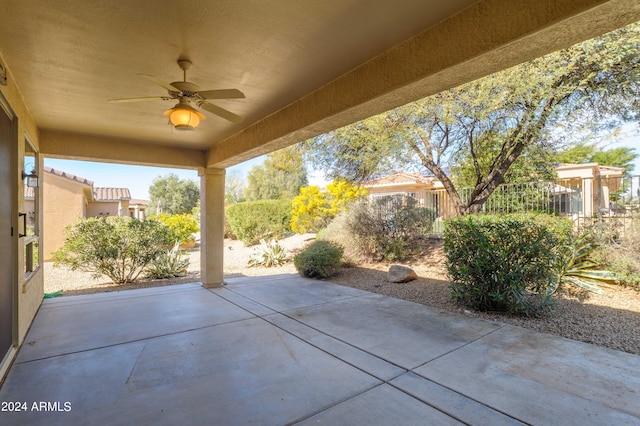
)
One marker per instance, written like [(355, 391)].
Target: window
[(30, 216)]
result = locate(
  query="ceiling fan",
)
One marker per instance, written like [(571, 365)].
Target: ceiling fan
[(183, 115)]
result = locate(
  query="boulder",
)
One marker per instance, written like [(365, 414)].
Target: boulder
[(401, 274)]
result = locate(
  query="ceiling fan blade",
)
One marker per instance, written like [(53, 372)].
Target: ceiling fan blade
[(148, 98), (227, 115), (161, 83), (221, 94)]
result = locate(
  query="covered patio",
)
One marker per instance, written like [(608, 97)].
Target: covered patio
[(282, 349)]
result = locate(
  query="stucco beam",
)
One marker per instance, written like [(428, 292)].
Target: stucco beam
[(74, 146), (489, 36)]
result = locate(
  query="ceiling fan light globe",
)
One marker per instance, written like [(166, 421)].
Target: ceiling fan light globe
[(184, 117)]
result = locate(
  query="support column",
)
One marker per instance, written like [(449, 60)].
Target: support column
[(212, 227)]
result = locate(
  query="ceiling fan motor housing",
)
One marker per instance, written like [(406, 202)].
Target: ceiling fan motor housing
[(188, 89)]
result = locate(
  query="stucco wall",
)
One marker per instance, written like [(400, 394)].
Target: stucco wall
[(99, 209), (587, 171), (64, 202)]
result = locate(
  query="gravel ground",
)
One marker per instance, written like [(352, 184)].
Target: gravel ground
[(611, 320)]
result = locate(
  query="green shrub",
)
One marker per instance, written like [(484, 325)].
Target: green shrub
[(500, 263), (183, 226), (338, 232), (390, 227), (253, 221), (118, 247), (627, 269), (395, 249), (268, 255), (169, 264), (574, 265), (560, 228), (320, 260), (619, 248)]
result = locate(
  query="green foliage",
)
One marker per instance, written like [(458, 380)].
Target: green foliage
[(534, 164), (269, 254), (312, 210), (618, 157), (118, 247), (281, 176), (585, 152), (169, 264), (627, 269), (576, 153), (389, 227), (173, 195), (320, 260), (252, 221), (337, 231), (560, 228), (481, 128), (183, 226), (619, 249), (574, 265), (396, 249), (500, 263)]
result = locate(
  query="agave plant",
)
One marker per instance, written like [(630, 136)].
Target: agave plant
[(170, 264), (269, 254), (573, 265)]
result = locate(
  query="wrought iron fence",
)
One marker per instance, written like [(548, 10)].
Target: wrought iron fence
[(586, 201)]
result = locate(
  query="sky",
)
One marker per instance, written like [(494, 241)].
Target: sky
[(139, 178)]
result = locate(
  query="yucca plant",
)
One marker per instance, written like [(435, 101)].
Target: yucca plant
[(269, 254), (574, 266), (170, 264)]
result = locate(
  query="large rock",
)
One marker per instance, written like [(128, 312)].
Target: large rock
[(401, 274)]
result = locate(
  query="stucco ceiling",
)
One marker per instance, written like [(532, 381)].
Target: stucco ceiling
[(305, 66), (70, 56)]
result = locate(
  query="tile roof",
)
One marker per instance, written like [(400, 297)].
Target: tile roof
[(138, 201), (69, 176), (111, 194), (399, 178)]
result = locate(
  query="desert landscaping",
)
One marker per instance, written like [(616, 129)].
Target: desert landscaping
[(611, 320)]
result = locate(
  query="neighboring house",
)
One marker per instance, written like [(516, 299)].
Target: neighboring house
[(405, 183), (580, 189), (586, 188), (109, 202), (428, 190), (68, 198), (138, 208)]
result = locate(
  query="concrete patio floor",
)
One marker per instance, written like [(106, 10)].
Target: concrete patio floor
[(286, 350)]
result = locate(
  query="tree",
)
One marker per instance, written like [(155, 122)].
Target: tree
[(536, 163), (312, 210), (281, 176), (491, 122), (584, 152), (617, 157), (234, 187), (172, 195)]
